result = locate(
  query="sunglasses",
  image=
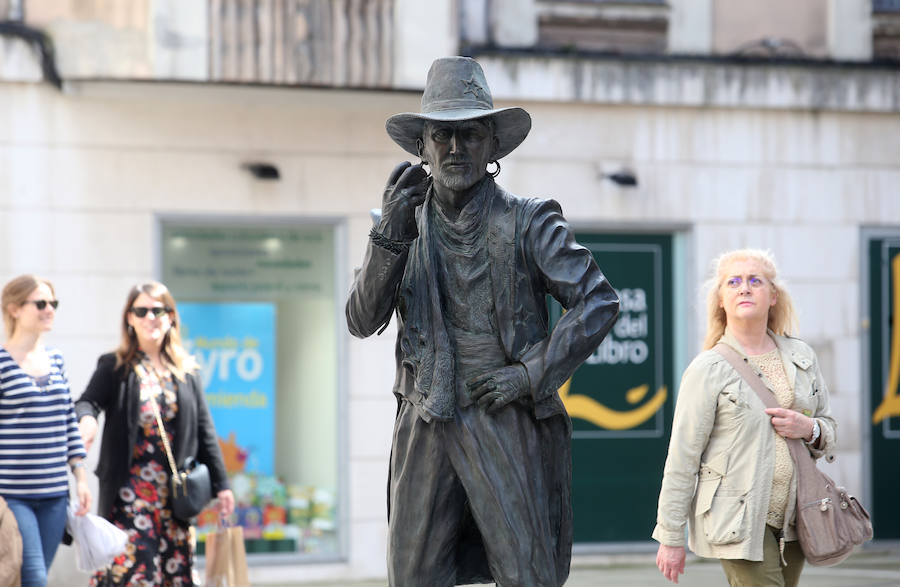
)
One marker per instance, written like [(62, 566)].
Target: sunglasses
[(42, 304), (157, 311), (753, 281)]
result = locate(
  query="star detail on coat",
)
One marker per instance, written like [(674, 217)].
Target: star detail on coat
[(474, 88)]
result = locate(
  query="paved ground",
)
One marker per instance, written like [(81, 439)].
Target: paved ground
[(867, 568)]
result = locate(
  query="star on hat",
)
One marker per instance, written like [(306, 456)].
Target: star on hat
[(474, 88)]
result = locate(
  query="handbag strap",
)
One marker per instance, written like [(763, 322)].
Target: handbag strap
[(162, 430), (742, 366)]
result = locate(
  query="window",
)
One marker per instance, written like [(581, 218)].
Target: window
[(259, 310), (636, 26), (886, 29)]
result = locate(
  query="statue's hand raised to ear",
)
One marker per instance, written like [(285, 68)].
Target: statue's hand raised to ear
[(405, 190)]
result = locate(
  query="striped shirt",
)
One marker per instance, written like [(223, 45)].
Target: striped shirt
[(38, 431)]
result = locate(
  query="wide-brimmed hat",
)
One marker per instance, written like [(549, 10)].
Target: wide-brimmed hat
[(456, 90)]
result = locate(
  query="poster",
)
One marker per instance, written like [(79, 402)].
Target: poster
[(234, 344)]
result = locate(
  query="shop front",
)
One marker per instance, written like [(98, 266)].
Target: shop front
[(621, 399), (259, 312)]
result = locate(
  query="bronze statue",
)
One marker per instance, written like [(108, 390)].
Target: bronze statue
[(480, 472)]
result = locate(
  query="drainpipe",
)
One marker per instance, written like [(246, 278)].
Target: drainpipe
[(38, 39)]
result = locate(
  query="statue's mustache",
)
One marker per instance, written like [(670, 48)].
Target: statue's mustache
[(464, 161)]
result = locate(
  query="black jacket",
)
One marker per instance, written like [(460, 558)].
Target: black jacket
[(116, 391)]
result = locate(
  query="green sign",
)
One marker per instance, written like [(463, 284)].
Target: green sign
[(884, 373), (620, 400)]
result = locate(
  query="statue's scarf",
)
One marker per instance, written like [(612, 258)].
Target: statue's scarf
[(424, 340)]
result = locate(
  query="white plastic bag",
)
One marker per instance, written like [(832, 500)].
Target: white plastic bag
[(97, 542)]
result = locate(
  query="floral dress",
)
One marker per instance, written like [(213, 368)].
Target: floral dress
[(160, 549)]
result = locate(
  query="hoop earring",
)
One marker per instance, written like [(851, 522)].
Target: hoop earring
[(496, 172), (425, 164)]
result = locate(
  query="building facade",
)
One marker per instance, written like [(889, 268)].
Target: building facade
[(234, 150)]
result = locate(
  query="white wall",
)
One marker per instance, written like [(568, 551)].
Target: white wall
[(83, 176), (690, 27), (850, 29), (514, 23), (423, 31)]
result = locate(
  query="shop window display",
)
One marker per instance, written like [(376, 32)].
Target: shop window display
[(260, 315)]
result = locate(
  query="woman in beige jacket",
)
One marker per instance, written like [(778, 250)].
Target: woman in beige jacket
[(729, 475)]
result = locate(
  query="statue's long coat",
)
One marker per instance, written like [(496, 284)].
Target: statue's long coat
[(533, 254)]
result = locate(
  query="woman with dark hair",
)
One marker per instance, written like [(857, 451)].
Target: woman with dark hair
[(38, 434), (149, 374), (729, 476)]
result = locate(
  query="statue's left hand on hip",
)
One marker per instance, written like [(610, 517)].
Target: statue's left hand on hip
[(495, 389)]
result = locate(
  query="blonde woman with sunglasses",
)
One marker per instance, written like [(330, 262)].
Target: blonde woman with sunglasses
[(39, 439), (729, 477), (149, 374)]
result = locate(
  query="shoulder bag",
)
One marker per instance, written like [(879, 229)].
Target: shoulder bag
[(830, 521), (10, 548), (190, 486)]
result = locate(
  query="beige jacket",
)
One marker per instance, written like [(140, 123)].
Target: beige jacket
[(10, 548), (718, 473)]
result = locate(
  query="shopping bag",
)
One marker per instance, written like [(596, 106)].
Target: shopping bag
[(226, 559), (10, 548), (97, 541)]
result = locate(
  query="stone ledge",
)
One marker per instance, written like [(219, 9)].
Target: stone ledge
[(693, 82)]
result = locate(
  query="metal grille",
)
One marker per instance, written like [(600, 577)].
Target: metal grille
[(329, 42)]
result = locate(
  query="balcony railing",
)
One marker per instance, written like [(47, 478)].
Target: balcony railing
[(327, 42)]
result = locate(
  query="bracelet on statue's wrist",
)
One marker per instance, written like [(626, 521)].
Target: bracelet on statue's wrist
[(395, 246)]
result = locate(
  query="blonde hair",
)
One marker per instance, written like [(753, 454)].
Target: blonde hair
[(173, 353), (15, 293), (782, 319)]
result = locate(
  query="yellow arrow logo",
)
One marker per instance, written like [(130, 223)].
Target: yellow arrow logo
[(890, 405), (587, 408)]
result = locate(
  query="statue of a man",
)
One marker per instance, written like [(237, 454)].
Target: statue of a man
[(480, 472)]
